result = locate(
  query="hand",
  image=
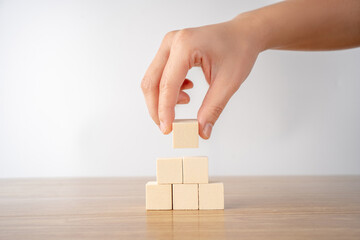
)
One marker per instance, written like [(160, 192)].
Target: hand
[(226, 52)]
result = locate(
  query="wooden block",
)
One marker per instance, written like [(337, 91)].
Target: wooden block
[(158, 196), (185, 133), (211, 196), (195, 170), (185, 197), (169, 170)]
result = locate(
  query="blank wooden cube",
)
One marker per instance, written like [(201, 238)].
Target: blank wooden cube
[(195, 170), (169, 170), (185, 196), (185, 133), (211, 196), (158, 197)]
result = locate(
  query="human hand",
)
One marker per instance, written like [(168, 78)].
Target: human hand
[(226, 52)]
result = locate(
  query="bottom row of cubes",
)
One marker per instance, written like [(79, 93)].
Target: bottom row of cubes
[(184, 196)]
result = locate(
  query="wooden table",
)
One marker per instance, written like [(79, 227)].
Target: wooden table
[(114, 208)]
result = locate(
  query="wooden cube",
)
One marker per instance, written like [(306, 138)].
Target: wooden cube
[(169, 170), (185, 196), (158, 197), (185, 133), (211, 196), (195, 170)]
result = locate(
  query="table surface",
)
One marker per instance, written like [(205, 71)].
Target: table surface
[(114, 208)]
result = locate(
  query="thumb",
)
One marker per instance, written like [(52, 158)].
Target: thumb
[(216, 98)]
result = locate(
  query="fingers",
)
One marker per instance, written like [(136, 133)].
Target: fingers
[(183, 98), (171, 81), (151, 80), (151, 83), (218, 95), (187, 84)]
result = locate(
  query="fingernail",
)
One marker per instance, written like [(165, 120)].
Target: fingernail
[(207, 130), (162, 127)]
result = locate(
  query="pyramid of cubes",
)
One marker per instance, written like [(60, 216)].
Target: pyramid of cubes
[(182, 183)]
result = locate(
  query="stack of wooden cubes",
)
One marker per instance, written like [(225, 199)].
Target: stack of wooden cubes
[(183, 183)]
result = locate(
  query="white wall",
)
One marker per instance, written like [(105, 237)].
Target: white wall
[(71, 104)]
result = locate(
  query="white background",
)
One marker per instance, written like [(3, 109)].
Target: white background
[(71, 104)]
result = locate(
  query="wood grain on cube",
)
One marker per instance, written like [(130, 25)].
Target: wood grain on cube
[(185, 133), (211, 196), (185, 197), (195, 169), (169, 170), (158, 197)]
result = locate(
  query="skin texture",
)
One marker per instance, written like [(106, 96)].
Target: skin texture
[(227, 51)]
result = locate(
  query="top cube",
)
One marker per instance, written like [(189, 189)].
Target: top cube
[(185, 133)]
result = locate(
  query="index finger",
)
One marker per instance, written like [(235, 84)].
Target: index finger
[(151, 80), (172, 78)]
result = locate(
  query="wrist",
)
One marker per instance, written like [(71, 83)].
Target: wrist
[(253, 27)]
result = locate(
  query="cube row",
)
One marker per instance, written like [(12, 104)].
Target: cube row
[(182, 170), (184, 196)]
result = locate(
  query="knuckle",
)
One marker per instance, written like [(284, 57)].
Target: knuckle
[(215, 111), (184, 34), (146, 84), (170, 35), (183, 38), (166, 86)]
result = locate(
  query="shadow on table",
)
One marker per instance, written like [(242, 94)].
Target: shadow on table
[(203, 224)]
